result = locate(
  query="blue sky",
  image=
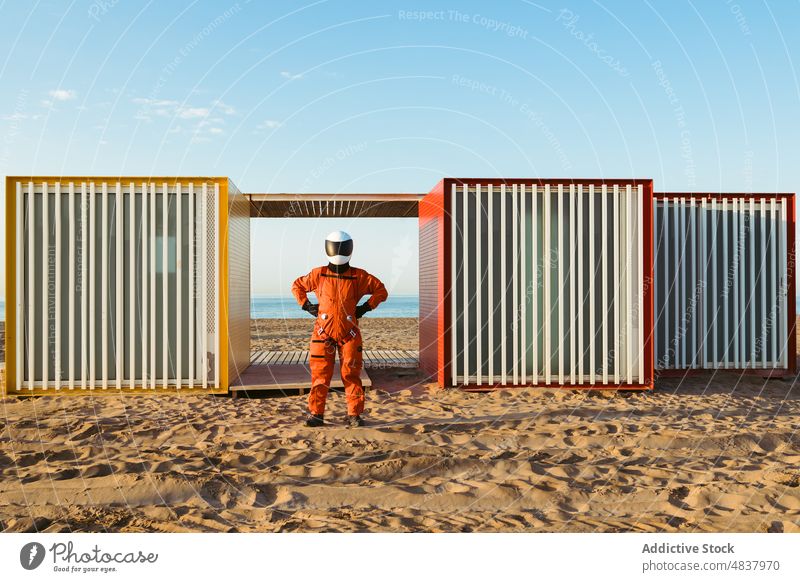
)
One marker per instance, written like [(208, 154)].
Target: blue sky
[(334, 96)]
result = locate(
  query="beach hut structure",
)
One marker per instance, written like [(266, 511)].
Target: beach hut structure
[(142, 284), (125, 284), (724, 282), (537, 282)]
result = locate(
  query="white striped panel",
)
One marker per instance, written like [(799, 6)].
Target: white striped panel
[(581, 290), (737, 271)]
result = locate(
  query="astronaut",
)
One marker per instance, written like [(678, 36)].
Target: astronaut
[(338, 287)]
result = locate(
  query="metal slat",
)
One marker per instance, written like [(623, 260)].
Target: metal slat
[(604, 276), (215, 209), (465, 265), (714, 295), (478, 285), (191, 334), (523, 288), (683, 281), (45, 284), (580, 287), (560, 282), (658, 250), (547, 308), (490, 265), (144, 236), (667, 281), (165, 283), (763, 271), (19, 274), (90, 282), (120, 239), (704, 281), (202, 231), (784, 339), (693, 272), (22, 255), (641, 278), (535, 283), (734, 280), (573, 226), (178, 296), (618, 289), (57, 338), (152, 276), (774, 283), (726, 266), (104, 285), (30, 252), (625, 275), (752, 291), (628, 287), (453, 279), (514, 280), (132, 284), (503, 251), (743, 299), (674, 273), (592, 277), (84, 288)]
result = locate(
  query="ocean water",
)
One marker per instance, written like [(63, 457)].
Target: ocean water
[(281, 307)]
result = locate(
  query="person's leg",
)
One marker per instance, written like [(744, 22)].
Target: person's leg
[(351, 362), (321, 364)]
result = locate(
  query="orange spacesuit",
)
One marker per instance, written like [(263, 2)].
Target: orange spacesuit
[(338, 289)]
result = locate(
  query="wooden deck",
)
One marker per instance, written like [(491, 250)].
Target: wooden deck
[(372, 358), (279, 370)]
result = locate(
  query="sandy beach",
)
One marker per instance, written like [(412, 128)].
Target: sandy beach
[(718, 452)]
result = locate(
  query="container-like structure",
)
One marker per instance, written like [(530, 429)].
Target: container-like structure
[(724, 281), (142, 284), (537, 282), (118, 285)]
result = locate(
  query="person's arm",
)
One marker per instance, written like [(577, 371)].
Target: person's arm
[(302, 286), (373, 286)]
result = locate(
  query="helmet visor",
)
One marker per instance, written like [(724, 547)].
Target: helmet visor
[(344, 248)]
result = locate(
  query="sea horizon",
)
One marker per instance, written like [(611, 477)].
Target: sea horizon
[(269, 306)]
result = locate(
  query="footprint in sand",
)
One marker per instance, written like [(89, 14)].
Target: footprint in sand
[(677, 496)]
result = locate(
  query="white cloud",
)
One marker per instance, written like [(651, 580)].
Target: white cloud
[(62, 94), (288, 75), (171, 108), (269, 124), (204, 122), (19, 116), (155, 102), (224, 107), (192, 112)]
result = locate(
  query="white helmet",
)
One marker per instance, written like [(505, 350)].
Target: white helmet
[(339, 247)]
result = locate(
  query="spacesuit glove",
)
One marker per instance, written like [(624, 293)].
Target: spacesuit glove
[(312, 308), (362, 309)]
